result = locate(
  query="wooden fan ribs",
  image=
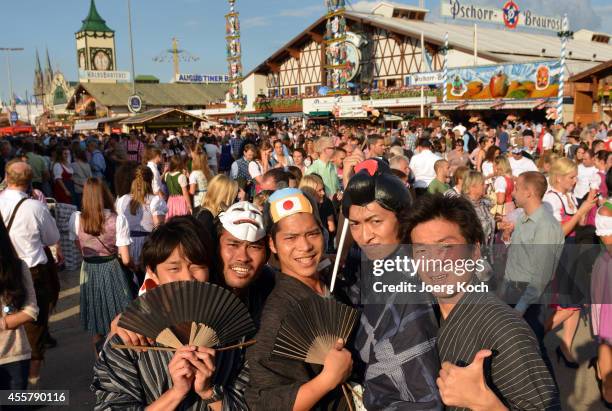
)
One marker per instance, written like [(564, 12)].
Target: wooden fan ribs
[(211, 315), (310, 330)]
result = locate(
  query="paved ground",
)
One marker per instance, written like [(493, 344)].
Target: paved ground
[(69, 365)]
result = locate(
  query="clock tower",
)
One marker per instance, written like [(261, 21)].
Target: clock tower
[(95, 43)]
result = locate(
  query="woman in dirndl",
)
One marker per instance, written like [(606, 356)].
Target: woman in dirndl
[(63, 184), (567, 298), (601, 297), (179, 201), (143, 211), (104, 239)]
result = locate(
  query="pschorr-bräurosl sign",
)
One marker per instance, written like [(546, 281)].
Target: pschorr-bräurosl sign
[(510, 15)]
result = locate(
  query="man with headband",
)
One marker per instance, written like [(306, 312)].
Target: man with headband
[(276, 383), (243, 253)]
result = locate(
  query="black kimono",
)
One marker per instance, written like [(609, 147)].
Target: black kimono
[(275, 381)]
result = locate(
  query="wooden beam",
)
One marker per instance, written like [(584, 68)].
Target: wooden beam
[(396, 37), (275, 68), (584, 87), (295, 53), (316, 37), (595, 87)]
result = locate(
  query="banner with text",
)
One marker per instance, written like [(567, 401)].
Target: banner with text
[(510, 15), (424, 79), (535, 80), (104, 75), (202, 78)]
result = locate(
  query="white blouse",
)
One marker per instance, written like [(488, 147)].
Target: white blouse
[(122, 229), (58, 170), (157, 205)]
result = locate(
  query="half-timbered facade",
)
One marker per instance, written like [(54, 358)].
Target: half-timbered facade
[(388, 44)]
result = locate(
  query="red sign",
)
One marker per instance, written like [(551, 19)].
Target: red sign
[(511, 14)]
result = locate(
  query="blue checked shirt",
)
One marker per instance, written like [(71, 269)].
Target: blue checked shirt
[(397, 344)]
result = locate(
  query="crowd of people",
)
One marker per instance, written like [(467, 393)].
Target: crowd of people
[(261, 212)]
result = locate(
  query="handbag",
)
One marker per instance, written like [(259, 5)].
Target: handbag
[(127, 271)]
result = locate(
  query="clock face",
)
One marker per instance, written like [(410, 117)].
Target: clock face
[(82, 60), (101, 61)]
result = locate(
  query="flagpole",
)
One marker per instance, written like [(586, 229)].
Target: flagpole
[(422, 66), (565, 35), (445, 69), (28, 106)]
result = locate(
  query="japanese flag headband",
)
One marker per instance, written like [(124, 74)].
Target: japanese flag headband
[(288, 201), (244, 221)]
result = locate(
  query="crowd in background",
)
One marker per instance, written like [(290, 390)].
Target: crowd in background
[(99, 197)]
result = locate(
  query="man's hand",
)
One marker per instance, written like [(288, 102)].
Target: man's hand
[(204, 366), (337, 366), (465, 387), (128, 337), (181, 370), (507, 229)]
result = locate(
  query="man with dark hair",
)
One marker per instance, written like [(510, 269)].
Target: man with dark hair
[(240, 167), (275, 179), (395, 338), (277, 383), (505, 368), (469, 139), (422, 166), (376, 146), (180, 250)]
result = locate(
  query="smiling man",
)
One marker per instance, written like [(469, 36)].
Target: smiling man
[(505, 370), (159, 380), (243, 253), (276, 383), (242, 259)]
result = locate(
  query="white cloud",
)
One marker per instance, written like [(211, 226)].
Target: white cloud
[(302, 12), (257, 21)]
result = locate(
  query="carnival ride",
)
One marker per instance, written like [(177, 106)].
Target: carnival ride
[(176, 55)]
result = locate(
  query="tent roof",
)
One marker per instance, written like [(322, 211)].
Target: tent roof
[(153, 114), (496, 44), (153, 95)]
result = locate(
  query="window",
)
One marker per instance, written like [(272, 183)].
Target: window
[(375, 84), (391, 82)]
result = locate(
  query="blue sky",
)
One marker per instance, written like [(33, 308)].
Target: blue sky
[(199, 26)]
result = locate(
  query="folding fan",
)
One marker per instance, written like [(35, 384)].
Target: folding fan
[(188, 312), (311, 329)]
